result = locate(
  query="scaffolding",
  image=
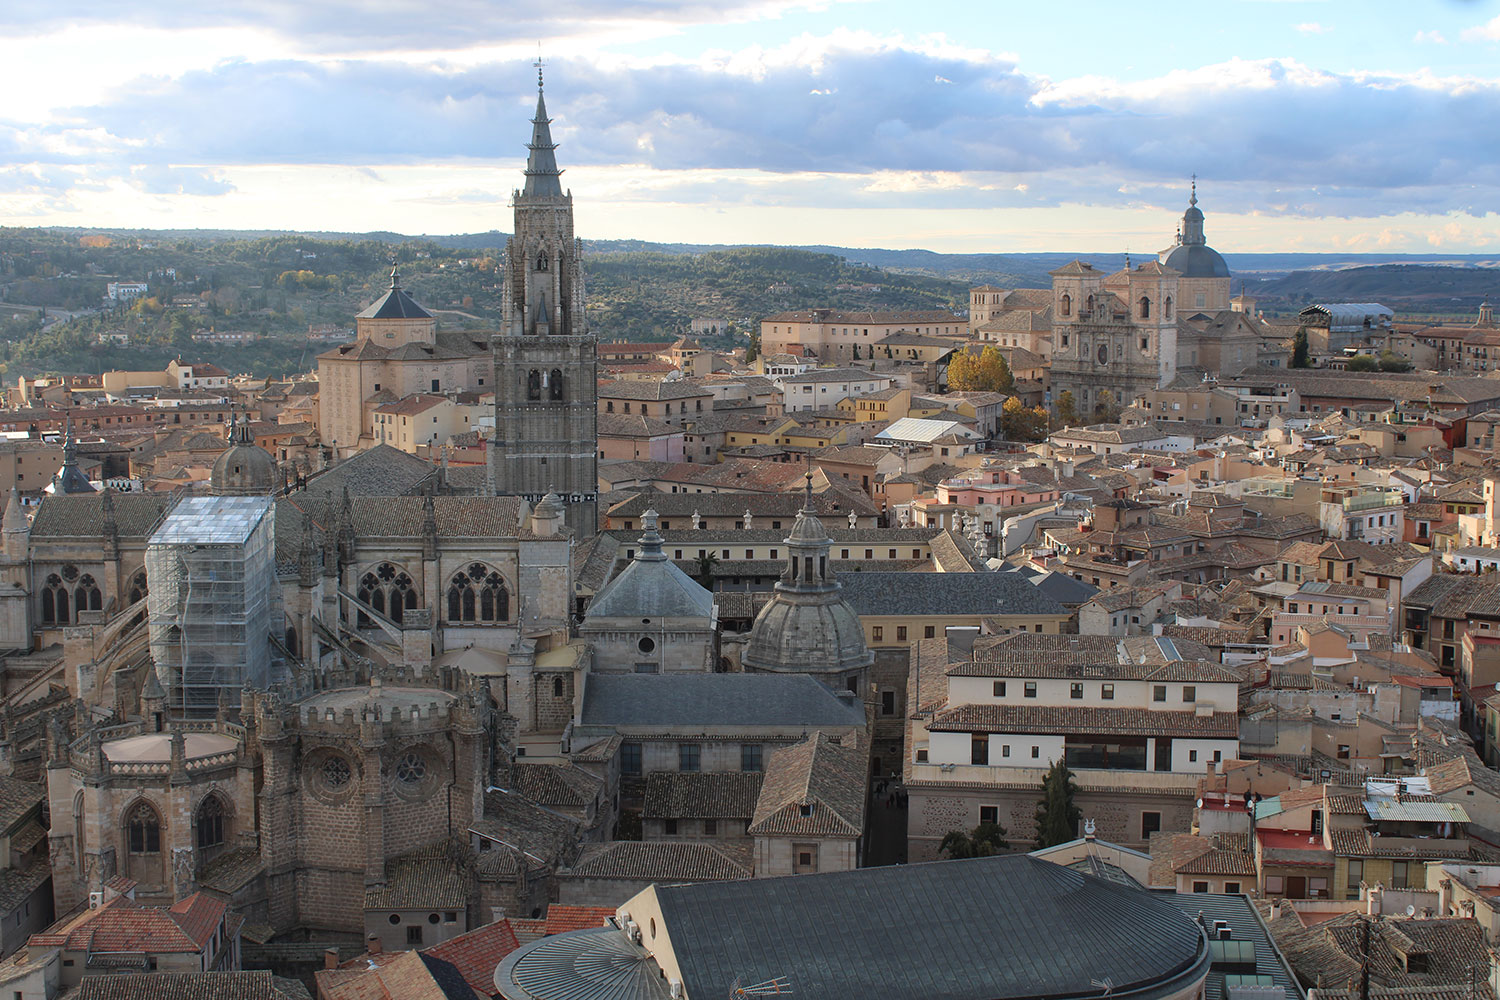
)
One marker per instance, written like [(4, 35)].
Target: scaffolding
[(213, 602)]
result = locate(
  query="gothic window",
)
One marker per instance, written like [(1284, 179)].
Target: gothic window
[(411, 768), (389, 591), (138, 588), (557, 384), (534, 385), (1067, 304), (55, 602), (557, 687), (143, 843), (1145, 307), (541, 262), (335, 772), (213, 821), (478, 594), (1166, 308), (78, 831), (87, 596)]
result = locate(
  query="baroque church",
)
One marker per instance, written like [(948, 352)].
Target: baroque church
[(1142, 327)]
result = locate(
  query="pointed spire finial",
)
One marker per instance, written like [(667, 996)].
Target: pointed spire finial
[(538, 64), (395, 274), (1193, 200), (807, 491)]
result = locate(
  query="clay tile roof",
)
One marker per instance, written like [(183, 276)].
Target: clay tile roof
[(561, 919), (813, 788), (660, 861), (476, 953), (428, 877), (250, 985), (701, 795)]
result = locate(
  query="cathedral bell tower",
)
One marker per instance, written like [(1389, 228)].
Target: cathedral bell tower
[(546, 419)]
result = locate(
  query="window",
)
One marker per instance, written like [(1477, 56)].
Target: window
[(630, 758), (1159, 692), (211, 823), (1030, 689), (1343, 751), (1399, 875), (989, 814), (1067, 305), (688, 756), (900, 633), (1192, 756), (1150, 823), (752, 756), (1200, 886), (929, 631), (979, 750), (877, 633), (669, 826), (1356, 876), (1107, 692), (414, 934), (143, 829), (1005, 750), (1036, 753), (389, 590), (887, 703), (1275, 885), (477, 594), (806, 855), (1189, 693), (1145, 307), (1075, 691), (999, 689), (710, 828), (1229, 887)]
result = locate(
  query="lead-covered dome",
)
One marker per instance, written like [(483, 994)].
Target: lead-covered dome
[(245, 468)]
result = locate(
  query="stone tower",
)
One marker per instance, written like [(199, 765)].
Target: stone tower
[(546, 421)]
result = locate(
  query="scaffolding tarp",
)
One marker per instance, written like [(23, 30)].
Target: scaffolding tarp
[(211, 568)]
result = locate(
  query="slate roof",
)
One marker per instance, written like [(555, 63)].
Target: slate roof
[(989, 928), (394, 304), (82, 514), (231, 871), (651, 390), (702, 795), (378, 471), (556, 784), (660, 701), (17, 799), (660, 861), (881, 593), (815, 788), (256, 985), (650, 586), (1246, 925)]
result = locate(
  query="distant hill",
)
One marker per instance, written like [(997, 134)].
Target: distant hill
[(1406, 288)]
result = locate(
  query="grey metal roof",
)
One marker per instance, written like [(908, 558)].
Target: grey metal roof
[(582, 965), (652, 589), (662, 701), (1197, 261), (1011, 926), (881, 593), (1244, 925)]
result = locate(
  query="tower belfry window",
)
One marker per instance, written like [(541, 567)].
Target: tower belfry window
[(555, 383), (534, 385), (541, 262)]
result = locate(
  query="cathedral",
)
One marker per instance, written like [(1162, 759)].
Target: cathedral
[(1145, 326)]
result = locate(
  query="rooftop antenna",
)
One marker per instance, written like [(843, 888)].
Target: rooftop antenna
[(1104, 984), (779, 986)]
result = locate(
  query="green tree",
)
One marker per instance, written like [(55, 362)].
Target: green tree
[(1362, 363), (1390, 361), (985, 840), (1067, 409), (1299, 351), (1105, 410), (753, 351), (1056, 815), (706, 564)]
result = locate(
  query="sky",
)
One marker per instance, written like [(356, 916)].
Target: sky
[(950, 125)]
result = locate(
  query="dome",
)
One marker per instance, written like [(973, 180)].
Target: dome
[(651, 586), (807, 634), (245, 468), (1197, 261), (807, 528)]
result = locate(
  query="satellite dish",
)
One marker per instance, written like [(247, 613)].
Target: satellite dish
[(1411, 911)]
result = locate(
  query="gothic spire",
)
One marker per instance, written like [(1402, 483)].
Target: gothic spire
[(542, 176)]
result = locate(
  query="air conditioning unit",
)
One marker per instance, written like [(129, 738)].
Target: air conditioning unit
[(633, 931), (96, 900), (675, 985)]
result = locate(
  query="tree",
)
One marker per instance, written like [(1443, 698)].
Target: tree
[(1105, 410), (1299, 351), (985, 840), (1390, 361), (1067, 409), (706, 564), (1017, 423), (753, 351), (993, 373), (961, 371), (1362, 363), (1056, 815)]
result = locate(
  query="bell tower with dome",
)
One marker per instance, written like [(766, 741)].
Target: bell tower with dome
[(1203, 277), (546, 361)]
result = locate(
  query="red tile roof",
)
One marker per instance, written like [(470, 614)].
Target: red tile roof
[(123, 925), (561, 919), (476, 953)]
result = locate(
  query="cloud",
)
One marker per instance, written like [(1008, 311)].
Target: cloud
[(1313, 28), (1433, 37), (849, 118), (1487, 32)]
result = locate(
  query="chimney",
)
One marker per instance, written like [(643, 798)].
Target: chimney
[(330, 958), (497, 914), (372, 944), (1276, 909)]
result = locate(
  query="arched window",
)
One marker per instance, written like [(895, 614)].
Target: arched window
[(557, 384), (1067, 304), (78, 831), (138, 588), (213, 825), (55, 602), (143, 856), (291, 639), (389, 590), (478, 594), (1166, 308), (87, 596), (557, 687), (541, 262), (534, 385), (1145, 307), (1088, 306)]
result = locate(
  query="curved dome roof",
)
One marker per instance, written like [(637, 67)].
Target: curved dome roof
[(807, 634), (1197, 261), (652, 589), (245, 468)]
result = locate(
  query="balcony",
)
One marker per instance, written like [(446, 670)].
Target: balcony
[(1087, 779), (1373, 500)]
